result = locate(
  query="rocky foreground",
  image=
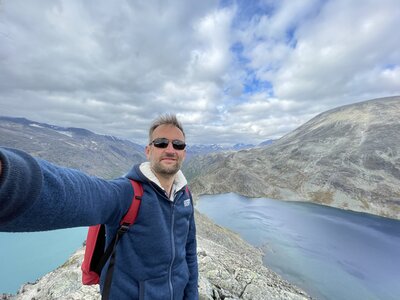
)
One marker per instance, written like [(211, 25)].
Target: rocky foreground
[(229, 269)]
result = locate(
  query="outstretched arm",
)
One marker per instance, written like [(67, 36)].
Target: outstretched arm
[(37, 195)]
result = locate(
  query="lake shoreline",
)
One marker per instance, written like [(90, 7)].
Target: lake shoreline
[(301, 254)]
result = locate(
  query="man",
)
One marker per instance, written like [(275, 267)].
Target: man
[(157, 257)]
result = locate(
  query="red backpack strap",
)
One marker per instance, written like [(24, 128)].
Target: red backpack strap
[(187, 191), (125, 223), (131, 215)]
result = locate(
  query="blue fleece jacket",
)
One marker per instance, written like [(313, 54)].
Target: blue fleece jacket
[(156, 259)]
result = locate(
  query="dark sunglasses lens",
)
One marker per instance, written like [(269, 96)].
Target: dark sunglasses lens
[(161, 143), (178, 145)]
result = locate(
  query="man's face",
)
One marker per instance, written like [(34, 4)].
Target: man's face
[(166, 161)]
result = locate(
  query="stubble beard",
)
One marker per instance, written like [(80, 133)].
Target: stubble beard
[(167, 171)]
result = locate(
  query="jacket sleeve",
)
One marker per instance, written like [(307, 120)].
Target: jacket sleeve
[(36, 195), (191, 290)]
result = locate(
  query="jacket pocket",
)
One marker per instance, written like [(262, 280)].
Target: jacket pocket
[(154, 289)]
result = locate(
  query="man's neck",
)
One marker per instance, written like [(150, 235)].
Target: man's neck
[(178, 179), (166, 182)]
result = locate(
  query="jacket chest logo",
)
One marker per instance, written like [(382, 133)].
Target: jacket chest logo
[(186, 202)]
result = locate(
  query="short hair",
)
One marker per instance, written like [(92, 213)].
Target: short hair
[(165, 119)]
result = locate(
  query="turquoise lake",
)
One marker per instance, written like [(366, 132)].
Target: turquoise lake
[(27, 256), (330, 253)]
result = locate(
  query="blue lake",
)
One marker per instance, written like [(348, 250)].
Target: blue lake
[(330, 253), (28, 256)]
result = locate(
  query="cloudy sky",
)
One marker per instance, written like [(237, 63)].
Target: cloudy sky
[(233, 71)]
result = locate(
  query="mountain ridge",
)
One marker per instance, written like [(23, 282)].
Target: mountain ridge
[(346, 157), (78, 148)]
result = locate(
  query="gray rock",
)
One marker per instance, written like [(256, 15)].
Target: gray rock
[(62, 283), (232, 269)]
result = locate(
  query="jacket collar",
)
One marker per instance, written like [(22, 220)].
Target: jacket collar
[(179, 181)]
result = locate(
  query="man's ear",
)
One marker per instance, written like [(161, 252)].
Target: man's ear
[(147, 151)]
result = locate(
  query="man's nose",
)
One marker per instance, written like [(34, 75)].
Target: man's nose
[(170, 147)]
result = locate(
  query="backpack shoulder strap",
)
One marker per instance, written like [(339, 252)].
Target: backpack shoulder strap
[(127, 220), (125, 223), (131, 215)]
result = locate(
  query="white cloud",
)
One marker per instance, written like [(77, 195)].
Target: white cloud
[(342, 43), (211, 61), (244, 72)]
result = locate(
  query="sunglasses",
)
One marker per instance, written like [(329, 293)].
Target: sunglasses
[(163, 143)]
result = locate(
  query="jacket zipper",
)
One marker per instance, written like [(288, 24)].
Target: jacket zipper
[(173, 249)]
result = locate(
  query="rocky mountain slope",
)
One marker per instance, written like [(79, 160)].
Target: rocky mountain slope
[(105, 156), (347, 157)]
